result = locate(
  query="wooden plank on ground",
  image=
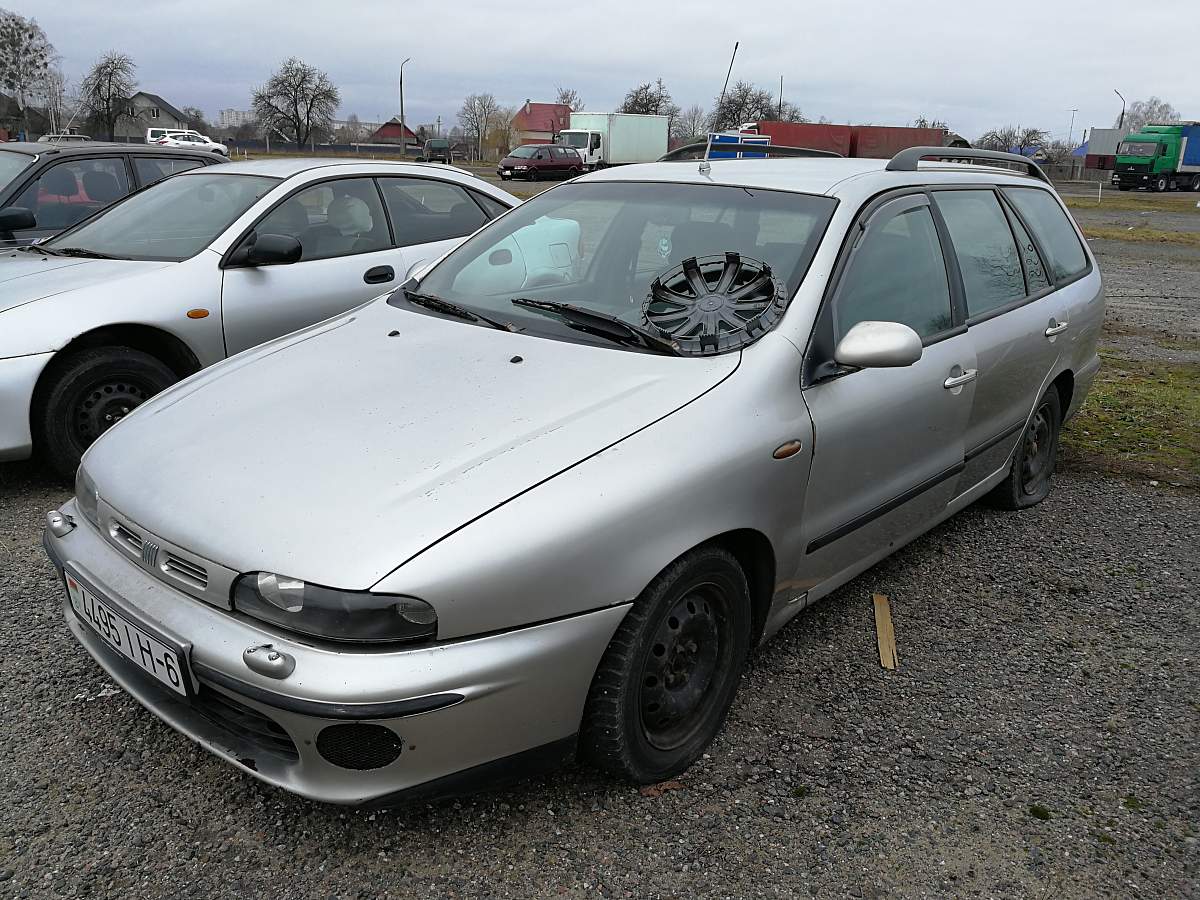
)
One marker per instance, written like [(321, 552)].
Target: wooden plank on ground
[(884, 632)]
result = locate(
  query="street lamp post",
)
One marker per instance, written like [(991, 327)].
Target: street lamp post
[(1071, 127), (403, 138), (1121, 124)]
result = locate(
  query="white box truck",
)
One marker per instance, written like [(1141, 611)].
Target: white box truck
[(614, 139)]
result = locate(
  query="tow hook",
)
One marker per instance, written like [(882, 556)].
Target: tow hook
[(60, 525), (266, 660)]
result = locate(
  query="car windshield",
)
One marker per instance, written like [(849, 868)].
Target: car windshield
[(171, 220), (1137, 148), (576, 139), (12, 164), (524, 153), (599, 246)]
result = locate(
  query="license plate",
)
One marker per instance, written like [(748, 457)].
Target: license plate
[(143, 650), (508, 171)]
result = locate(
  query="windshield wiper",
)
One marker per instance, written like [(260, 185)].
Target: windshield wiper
[(601, 324), (85, 253), (35, 248), (449, 308)]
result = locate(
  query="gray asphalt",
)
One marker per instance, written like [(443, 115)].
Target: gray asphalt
[(1039, 739)]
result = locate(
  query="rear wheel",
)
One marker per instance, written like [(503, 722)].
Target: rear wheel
[(1196, 182), (1161, 184), (87, 393), (667, 680), (1028, 480), (575, 172)]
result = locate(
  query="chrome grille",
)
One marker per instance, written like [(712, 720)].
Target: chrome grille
[(149, 552), (193, 574)]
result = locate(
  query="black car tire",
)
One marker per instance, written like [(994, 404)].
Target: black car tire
[(1196, 182), (667, 680), (1161, 184), (88, 392), (533, 174), (1028, 480)]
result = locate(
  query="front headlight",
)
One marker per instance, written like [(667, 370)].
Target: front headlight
[(87, 498), (332, 614)]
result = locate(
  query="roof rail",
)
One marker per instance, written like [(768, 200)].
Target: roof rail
[(696, 151), (906, 160)]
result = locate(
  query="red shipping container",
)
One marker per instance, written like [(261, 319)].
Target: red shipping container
[(805, 134), (884, 142)]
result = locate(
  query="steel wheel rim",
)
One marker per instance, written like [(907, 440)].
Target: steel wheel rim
[(105, 402), (682, 667), (1035, 451)]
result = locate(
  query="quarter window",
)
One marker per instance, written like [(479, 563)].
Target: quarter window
[(71, 191), (150, 170), (897, 274), (1046, 219), (1035, 271), (424, 210), (490, 206), (985, 249), (334, 218)]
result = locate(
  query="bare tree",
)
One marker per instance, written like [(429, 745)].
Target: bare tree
[(196, 119), (25, 59), (105, 91), (693, 122), (1145, 112), (1014, 139), (1057, 152), (652, 99), (298, 101), (745, 103), (569, 97), (478, 116), (927, 122)]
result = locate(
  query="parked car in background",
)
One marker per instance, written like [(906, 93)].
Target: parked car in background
[(63, 138), (191, 141), (153, 134), (45, 188), (550, 493), (201, 266), (437, 150), (537, 161)]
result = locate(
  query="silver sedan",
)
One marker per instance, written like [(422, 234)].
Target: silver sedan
[(550, 492), (199, 267)]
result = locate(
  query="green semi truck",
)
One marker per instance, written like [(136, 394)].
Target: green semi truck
[(1160, 158)]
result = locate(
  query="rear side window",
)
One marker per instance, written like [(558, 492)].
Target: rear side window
[(984, 245), (1035, 271), (150, 170), (898, 275), (1050, 226), (424, 210)]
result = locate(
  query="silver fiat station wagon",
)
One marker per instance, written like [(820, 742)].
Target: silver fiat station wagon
[(544, 497)]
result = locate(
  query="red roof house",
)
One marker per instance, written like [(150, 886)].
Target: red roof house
[(538, 123), (389, 133)]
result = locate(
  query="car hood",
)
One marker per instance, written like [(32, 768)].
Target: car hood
[(26, 276), (336, 454)]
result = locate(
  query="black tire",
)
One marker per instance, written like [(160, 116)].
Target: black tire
[(575, 172), (1196, 182), (1029, 477), (677, 657), (1161, 185), (504, 177), (533, 175), (88, 392)]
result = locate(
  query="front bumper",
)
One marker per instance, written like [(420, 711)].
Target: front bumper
[(476, 706), (18, 376)]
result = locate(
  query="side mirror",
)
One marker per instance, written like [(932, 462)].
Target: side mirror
[(16, 218), (266, 250), (878, 345)]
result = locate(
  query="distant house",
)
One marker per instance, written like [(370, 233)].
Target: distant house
[(392, 132), (1100, 149), (539, 123), (12, 121), (143, 111)]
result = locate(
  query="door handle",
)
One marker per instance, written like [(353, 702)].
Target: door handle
[(1056, 328), (379, 275), (955, 381)]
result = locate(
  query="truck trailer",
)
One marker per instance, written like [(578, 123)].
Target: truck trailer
[(614, 139), (1163, 157)]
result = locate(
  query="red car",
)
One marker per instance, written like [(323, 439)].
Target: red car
[(535, 161)]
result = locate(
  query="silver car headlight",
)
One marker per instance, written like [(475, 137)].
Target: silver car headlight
[(87, 498), (332, 614)]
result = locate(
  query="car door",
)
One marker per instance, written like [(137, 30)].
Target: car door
[(1013, 317), (888, 443), (347, 257), (69, 192), (430, 216)]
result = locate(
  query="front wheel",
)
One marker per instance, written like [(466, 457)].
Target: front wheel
[(667, 680), (86, 394), (1161, 184), (533, 175), (1028, 479)]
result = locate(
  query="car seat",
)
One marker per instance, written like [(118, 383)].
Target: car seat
[(51, 200), (348, 228), (102, 187)]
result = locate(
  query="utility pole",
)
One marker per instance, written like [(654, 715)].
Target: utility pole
[(438, 128), (403, 135), (780, 98), (1071, 127), (1121, 124)]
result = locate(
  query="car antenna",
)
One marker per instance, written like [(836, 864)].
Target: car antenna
[(705, 168)]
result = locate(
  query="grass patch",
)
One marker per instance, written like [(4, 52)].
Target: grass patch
[(800, 791), (1133, 804), (1140, 418), (1173, 203), (1141, 235), (1039, 812)]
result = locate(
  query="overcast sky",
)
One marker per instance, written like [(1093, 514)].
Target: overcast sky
[(870, 61)]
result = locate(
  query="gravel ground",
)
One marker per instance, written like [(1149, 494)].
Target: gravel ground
[(1038, 739)]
